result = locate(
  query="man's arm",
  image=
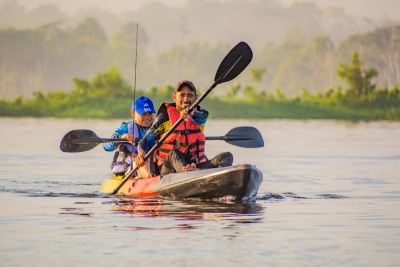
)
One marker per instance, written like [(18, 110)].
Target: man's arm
[(111, 146), (200, 116)]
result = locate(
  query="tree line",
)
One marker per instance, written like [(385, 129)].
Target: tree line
[(45, 58), (109, 95)]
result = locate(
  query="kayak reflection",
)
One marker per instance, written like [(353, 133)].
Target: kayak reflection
[(190, 209)]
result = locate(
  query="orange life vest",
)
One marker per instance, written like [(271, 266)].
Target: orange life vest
[(187, 137)]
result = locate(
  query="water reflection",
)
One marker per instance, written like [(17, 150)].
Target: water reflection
[(189, 210)]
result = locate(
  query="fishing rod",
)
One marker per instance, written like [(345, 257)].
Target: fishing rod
[(134, 82), (136, 56)]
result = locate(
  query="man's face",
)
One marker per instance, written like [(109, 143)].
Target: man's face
[(144, 120), (184, 98)]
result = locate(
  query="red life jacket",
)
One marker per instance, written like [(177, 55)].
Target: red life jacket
[(187, 137)]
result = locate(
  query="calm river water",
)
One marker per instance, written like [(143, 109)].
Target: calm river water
[(330, 197)]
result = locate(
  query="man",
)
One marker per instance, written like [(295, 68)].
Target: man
[(142, 113), (183, 149)]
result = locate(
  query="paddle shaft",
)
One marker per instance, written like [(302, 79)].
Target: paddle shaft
[(98, 140), (120, 140), (230, 137), (84, 140)]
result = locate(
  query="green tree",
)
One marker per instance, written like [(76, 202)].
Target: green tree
[(257, 74), (110, 83), (234, 90), (249, 92), (358, 80)]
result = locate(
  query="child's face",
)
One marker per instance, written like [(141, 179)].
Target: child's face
[(145, 119)]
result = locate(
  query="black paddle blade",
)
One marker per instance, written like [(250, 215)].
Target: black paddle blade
[(69, 142), (234, 63), (245, 136)]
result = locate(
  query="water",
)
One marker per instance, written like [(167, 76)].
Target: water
[(330, 196)]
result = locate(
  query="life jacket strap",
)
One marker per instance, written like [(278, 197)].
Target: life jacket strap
[(197, 144), (187, 131)]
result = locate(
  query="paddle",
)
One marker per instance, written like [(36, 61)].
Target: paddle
[(84, 140), (231, 66), (244, 136)]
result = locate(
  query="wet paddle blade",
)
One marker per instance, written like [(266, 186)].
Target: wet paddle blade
[(84, 140), (70, 142), (234, 63), (245, 136)]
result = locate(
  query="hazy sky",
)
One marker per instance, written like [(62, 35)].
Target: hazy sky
[(375, 8)]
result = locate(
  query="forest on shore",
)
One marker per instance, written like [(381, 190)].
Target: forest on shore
[(109, 95), (327, 65), (43, 49)]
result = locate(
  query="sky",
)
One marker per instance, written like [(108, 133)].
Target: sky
[(389, 9)]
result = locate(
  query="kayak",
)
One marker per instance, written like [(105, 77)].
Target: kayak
[(240, 182)]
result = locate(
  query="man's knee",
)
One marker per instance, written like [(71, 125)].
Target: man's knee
[(175, 161), (224, 159), (227, 159)]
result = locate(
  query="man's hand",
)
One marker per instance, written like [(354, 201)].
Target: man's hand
[(129, 137), (139, 160), (185, 114)]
